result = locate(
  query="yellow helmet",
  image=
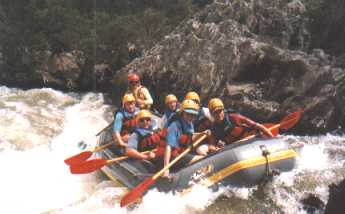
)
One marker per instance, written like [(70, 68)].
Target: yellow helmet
[(143, 114), (128, 98), (215, 104), (189, 106), (170, 98), (192, 95)]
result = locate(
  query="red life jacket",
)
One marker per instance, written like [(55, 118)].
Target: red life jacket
[(238, 131), (203, 125), (128, 123), (152, 141), (184, 141), (231, 129)]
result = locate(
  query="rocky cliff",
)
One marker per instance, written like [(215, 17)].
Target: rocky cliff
[(262, 57)]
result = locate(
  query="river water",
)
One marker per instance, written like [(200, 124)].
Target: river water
[(39, 128)]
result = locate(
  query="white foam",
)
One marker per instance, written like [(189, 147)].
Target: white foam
[(105, 200), (35, 181), (195, 200), (313, 157), (82, 123)]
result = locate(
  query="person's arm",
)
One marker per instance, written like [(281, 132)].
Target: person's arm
[(167, 156), (264, 130), (118, 139), (242, 119), (211, 140), (148, 99), (163, 122), (117, 129), (172, 141), (135, 154), (196, 135), (132, 148)]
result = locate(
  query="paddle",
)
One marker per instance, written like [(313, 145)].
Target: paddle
[(95, 164), (110, 124), (290, 120), (82, 145), (286, 123), (83, 156), (76, 159), (137, 191), (275, 132)]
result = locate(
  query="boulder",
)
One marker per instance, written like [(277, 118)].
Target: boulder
[(336, 198), (63, 70), (244, 52)]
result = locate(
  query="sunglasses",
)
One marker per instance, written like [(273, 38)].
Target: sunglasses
[(218, 111), (134, 82), (190, 115), (145, 119), (130, 103)]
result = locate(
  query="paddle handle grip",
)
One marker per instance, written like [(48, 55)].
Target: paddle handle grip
[(126, 157)]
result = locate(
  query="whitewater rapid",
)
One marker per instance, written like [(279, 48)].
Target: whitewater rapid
[(39, 128)]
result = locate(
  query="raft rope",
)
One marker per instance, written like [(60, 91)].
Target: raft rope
[(269, 171)]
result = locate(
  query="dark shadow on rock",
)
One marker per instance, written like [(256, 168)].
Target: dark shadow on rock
[(312, 203), (336, 201)]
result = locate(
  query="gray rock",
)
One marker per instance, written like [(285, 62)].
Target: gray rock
[(335, 202), (247, 44)]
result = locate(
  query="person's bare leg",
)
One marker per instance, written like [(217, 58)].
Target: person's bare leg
[(195, 159), (202, 150)]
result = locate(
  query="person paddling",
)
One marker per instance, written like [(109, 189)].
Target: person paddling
[(124, 123), (180, 135), (172, 107), (203, 120), (228, 127), (146, 137), (142, 95)]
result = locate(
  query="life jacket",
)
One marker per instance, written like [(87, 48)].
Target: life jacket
[(231, 130), (202, 123), (152, 140), (139, 94), (185, 139), (169, 115), (128, 122)]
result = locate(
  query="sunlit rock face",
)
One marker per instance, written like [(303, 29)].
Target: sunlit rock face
[(255, 55)]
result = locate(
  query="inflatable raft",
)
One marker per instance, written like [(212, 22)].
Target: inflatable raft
[(241, 164)]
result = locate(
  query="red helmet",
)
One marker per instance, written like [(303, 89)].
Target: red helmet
[(133, 77)]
